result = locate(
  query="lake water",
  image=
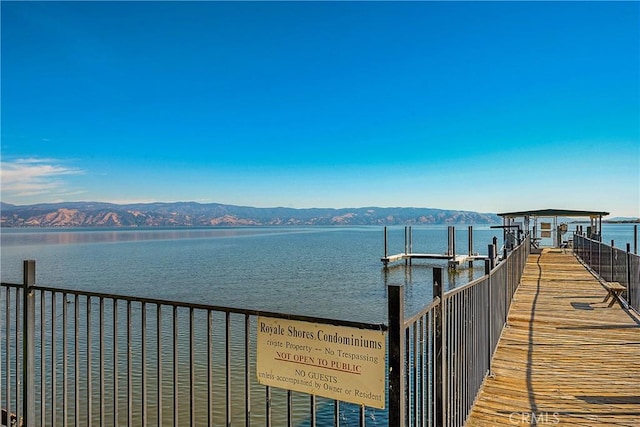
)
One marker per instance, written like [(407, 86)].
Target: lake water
[(320, 271)]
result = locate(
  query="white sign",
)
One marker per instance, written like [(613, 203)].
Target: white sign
[(337, 362)]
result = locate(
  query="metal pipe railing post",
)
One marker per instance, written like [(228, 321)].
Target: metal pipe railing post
[(89, 385), (115, 362), (628, 276), (396, 355), (65, 362), (159, 361), (491, 251), (584, 248), (600, 258), (28, 343), (507, 288), (495, 246), (612, 254), (487, 272), (580, 248), (101, 360), (439, 350)]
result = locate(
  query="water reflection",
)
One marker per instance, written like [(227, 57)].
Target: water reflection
[(12, 237), (417, 280), (318, 271)]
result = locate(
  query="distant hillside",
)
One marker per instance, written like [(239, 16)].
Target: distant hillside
[(186, 214), (615, 220), (622, 220)]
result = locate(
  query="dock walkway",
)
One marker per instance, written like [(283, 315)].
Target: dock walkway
[(565, 358), (453, 260)]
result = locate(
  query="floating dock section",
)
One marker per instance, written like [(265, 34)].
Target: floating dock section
[(453, 260)]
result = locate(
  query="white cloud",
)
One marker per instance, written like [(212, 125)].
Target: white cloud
[(33, 180)]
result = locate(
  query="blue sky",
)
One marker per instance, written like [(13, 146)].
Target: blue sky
[(486, 106)]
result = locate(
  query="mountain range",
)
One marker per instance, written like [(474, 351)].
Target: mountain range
[(192, 214)]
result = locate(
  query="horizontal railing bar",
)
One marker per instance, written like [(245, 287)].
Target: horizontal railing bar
[(411, 320), (12, 285), (454, 291), (434, 303), (198, 306)]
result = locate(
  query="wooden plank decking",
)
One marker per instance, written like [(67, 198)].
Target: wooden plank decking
[(565, 357)]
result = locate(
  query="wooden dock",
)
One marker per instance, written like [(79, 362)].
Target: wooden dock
[(453, 260), (565, 358)]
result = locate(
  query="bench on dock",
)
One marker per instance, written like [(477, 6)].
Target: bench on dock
[(614, 291), (7, 419)]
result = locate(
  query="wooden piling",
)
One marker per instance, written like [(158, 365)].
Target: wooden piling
[(470, 239)]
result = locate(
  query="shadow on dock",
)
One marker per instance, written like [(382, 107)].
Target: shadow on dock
[(565, 357)]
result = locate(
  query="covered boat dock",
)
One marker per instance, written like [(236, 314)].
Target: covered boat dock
[(546, 227)]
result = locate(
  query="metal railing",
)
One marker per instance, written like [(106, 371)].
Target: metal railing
[(611, 264), (85, 358), (448, 346)]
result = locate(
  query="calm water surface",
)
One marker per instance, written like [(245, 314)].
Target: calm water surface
[(322, 271)]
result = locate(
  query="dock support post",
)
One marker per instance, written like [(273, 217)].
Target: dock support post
[(405, 239), (635, 239), (28, 343), (385, 242), (453, 241), (470, 246), (406, 260), (491, 251), (439, 350), (386, 252), (396, 355), (410, 244)]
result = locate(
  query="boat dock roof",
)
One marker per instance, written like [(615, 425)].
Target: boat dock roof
[(554, 212)]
